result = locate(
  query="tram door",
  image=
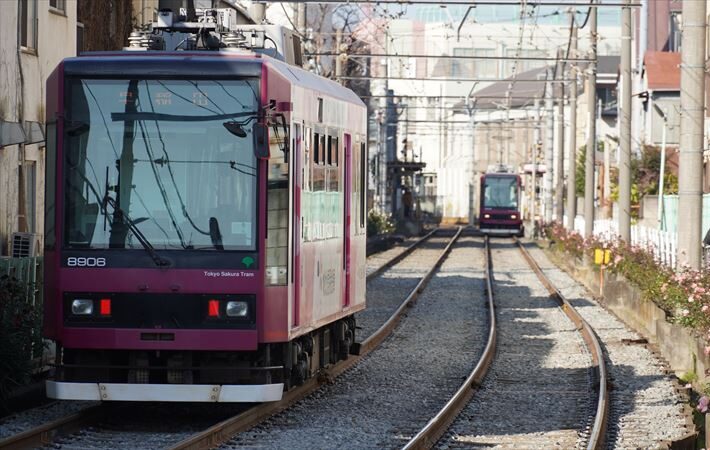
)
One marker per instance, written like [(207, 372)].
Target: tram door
[(347, 189), (297, 183)]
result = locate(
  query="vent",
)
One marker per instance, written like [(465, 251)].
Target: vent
[(24, 245)]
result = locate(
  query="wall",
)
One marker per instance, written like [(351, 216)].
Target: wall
[(23, 88)]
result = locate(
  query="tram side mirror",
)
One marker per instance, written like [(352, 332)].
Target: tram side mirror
[(261, 140)]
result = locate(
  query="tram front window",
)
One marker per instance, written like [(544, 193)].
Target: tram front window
[(501, 193), (160, 157)]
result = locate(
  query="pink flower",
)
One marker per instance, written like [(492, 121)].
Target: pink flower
[(688, 386), (707, 351), (705, 308), (685, 313), (691, 299), (703, 404), (699, 290)]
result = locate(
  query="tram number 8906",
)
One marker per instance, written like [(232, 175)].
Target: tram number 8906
[(85, 262)]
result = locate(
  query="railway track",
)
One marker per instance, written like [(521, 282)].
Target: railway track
[(547, 387), (537, 394), (80, 421), (384, 401)]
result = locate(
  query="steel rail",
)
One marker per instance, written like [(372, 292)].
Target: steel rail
[(401, 256), (225, 430), (598, 434), (437, 426), (45, 434)]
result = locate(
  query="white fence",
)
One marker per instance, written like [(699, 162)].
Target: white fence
[(662, 245)]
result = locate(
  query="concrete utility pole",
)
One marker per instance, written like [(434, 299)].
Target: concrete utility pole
[(533, 183), (589, 187), (301, 20), (549, 146), (572, 148), (625, 128), (338, 61), (560, 167), (692, 96)]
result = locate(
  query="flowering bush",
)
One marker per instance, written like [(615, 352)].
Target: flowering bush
[(684, 294)]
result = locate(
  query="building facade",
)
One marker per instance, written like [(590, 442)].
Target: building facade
[(34, 36)]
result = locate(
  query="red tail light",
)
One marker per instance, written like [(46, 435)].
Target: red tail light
[(105, 307), (213, 308)]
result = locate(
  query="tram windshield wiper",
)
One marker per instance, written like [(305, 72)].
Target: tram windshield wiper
[(129, 116), (131, 224)]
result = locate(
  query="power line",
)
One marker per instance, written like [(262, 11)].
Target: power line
[(471, 57), (615, 4), (450, 80)]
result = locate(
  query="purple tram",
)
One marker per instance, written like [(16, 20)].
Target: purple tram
[(206, 223), (500, 204)]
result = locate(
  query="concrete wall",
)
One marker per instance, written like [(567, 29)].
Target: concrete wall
[(23, 74)]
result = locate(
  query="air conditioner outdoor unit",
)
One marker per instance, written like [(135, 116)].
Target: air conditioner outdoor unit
[(24, 245)]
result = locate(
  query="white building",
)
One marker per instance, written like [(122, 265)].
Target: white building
[(420, 83), (34, 36)]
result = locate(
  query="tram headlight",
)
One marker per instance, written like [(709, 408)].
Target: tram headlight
[(237, 309), (486, 216), (513, 216), (82, 307)]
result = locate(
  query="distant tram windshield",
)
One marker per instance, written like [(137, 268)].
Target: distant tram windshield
[(500, 192), (171, 159)]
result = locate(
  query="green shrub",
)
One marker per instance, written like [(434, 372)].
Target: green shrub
[(20, 335), (378, 223)]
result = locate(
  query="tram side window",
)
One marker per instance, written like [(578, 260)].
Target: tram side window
[(316, 148), (277, 210), (363, 184), (335, 152)]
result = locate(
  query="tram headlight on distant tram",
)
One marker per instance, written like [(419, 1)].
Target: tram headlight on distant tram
[(237, 309), (82, 307)]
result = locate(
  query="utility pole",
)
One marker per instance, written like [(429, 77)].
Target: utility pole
[(549, 146), (338, 60), (560, 168), (572, 149), (625, 128), (692, 96), (301, 20), (589, 187), (533, 183)]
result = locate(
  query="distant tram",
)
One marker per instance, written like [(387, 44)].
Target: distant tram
[(500, 203)]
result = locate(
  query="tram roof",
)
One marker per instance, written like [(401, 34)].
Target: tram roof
[(200, 65)]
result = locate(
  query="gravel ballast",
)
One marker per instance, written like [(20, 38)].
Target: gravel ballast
[(386, 398), (537, 393), (646, 407)]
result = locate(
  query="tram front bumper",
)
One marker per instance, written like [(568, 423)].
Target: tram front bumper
[(129, 392)]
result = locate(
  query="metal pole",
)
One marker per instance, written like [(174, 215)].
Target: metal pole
[(661, 222), (535, 147), (692, 95), (572, 148), (625, 129), (589, 188), (560, 167), (549, 147)]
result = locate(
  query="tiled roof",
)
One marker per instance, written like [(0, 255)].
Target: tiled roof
[(662, 70)]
